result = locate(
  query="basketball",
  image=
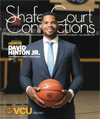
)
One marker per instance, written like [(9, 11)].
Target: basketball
[(50, 92)]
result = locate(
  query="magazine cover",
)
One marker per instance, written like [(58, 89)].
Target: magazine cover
[(49, 59)]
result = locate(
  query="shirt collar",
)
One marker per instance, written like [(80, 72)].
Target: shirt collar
[(55, 40)]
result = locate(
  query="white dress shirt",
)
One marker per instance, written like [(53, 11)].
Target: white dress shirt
[(55, 50), (54, 45)]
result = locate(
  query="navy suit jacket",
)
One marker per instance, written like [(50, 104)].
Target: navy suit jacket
[(34, 71)]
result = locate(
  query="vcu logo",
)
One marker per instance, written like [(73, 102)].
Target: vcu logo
[(21, 110), (75, 5), (50, 95)]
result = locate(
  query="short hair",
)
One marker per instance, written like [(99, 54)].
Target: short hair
[(49, 13)]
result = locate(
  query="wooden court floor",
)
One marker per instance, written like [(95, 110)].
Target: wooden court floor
[(87, 105)]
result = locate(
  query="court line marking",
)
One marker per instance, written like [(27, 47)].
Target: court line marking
[(87, 112)]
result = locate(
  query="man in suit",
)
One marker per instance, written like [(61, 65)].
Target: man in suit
[(65, 58)]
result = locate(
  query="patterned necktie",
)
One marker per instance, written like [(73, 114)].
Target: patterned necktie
[(50, 58)]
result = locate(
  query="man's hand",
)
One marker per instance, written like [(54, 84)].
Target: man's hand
[(66, 98), (32, 94)]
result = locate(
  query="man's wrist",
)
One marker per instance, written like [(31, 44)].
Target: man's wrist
[(72, 93), (27, 89)]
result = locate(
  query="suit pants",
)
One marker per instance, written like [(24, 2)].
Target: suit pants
[(50, 114)]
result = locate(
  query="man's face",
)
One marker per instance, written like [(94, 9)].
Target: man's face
[(49, 26)]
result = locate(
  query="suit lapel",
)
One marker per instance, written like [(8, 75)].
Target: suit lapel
[(42, 59), (60, 53)]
